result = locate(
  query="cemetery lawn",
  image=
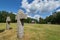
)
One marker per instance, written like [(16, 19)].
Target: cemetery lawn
[(31, 32)]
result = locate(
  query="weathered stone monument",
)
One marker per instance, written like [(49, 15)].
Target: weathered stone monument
[(8, 23), (20, 29)]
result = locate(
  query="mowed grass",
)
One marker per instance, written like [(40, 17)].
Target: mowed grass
[(31, 32)]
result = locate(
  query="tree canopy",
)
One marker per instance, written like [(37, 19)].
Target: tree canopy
[(53, 19)]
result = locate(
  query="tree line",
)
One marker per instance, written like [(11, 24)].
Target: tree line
[(4, 14), (53, 19)]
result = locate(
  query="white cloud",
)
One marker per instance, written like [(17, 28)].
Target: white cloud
[(35, 17), (41, 6)]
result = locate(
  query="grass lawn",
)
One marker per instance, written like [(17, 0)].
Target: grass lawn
[(31, 32)]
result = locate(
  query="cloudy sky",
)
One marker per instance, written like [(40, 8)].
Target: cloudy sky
[(34, 8)]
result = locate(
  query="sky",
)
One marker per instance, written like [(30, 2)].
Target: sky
[(33, 8), (10, 5)]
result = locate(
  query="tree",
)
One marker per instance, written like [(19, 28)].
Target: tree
[(12, 17), (42, 21), (54, 18), (4, 14), (58, 17)]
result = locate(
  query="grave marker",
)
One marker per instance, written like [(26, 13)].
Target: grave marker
[(8, 23), (20, 29)]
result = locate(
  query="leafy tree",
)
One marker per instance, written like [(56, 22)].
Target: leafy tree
[(54, 18), (4, 14), (42, 21)]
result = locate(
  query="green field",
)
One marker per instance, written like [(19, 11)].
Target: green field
[(31, 32)]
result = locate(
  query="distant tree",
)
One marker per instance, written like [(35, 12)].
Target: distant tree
[(29, 20), (4, 14), (12, 17), (54, 18), (58, 17), (42, 21)]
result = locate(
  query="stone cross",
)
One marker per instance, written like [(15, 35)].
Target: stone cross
[(20, 29), (8, 23)]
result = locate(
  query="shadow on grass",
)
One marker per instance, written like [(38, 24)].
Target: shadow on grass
[(10, 28), (2, 30)]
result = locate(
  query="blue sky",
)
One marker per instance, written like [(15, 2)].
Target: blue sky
[(34, 8), (10, 5)]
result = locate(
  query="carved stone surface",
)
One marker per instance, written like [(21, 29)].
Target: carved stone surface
[(20, 28), (21, 15), (8, 23)]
